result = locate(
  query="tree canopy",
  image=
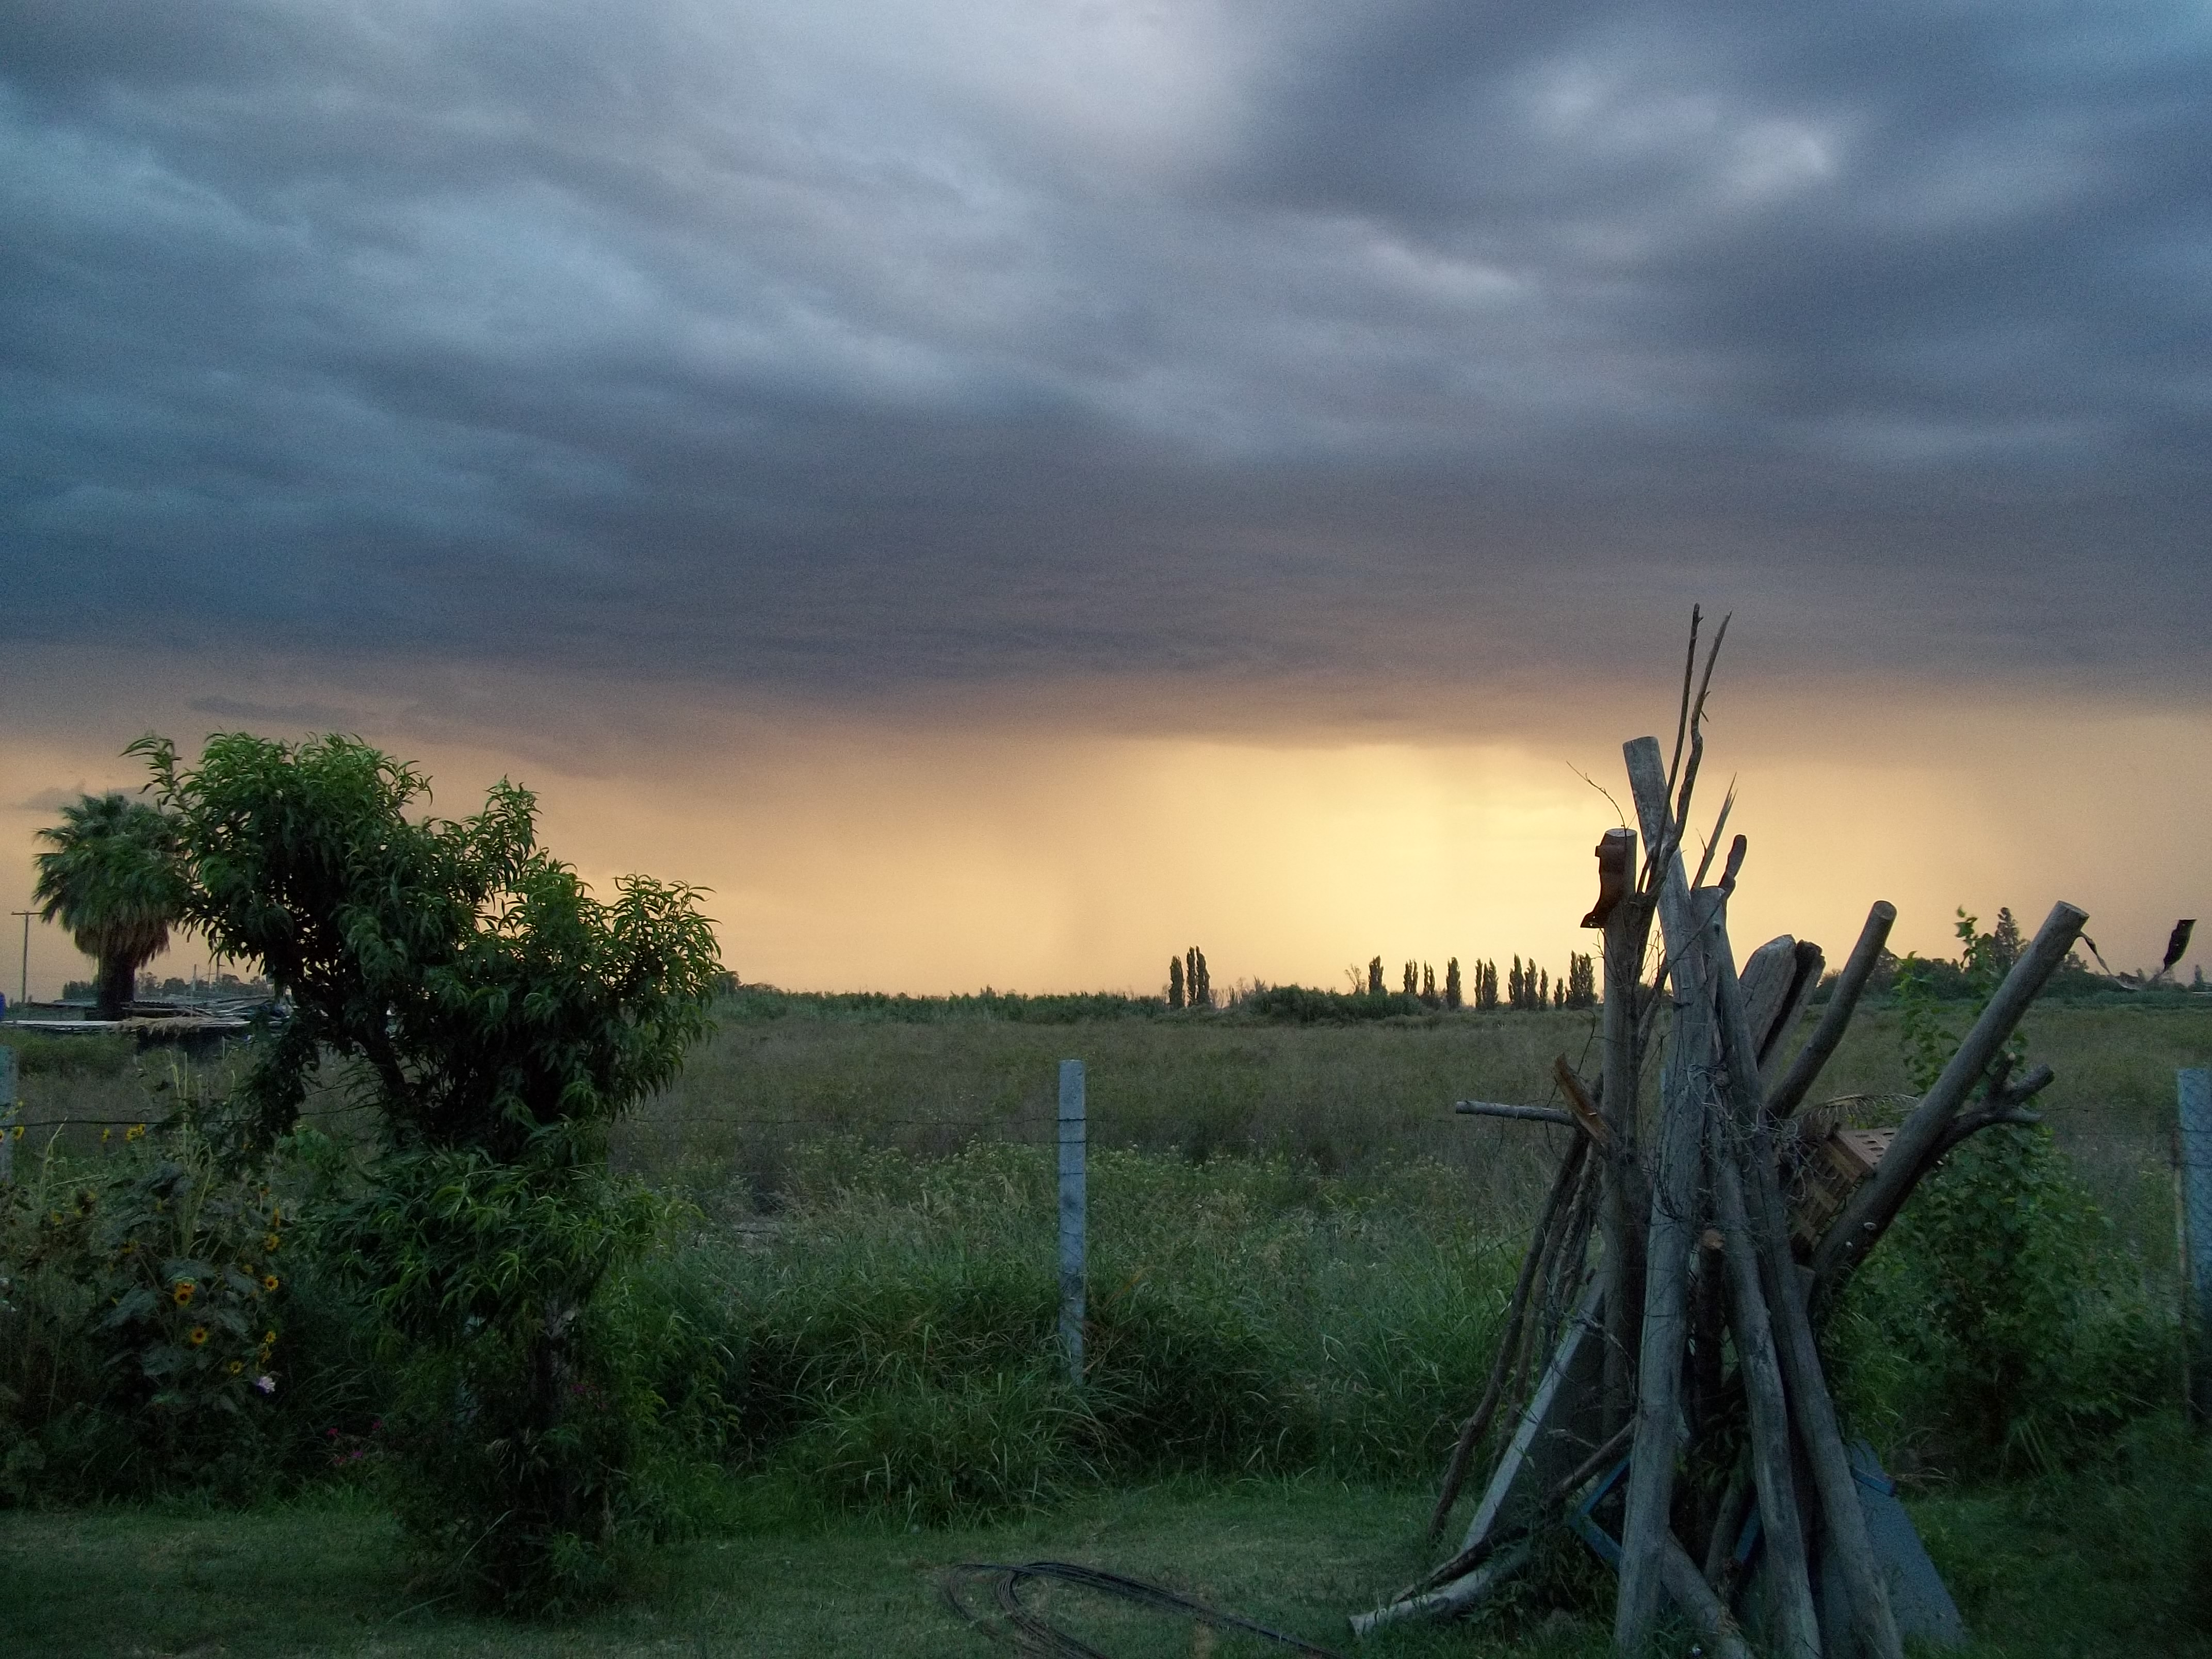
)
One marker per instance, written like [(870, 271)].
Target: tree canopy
[(109, 878), (490, 995)]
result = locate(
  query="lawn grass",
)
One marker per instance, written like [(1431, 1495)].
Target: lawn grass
[(325, 1575), (2070, 1569)]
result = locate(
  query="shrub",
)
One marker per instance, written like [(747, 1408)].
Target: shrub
[(144, 1315), (499, 1018), (2001, 1317)]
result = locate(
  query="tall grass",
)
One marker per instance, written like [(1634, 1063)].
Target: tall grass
[(891, 1341)]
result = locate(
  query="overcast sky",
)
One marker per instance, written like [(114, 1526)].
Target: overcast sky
[(1162, 365)]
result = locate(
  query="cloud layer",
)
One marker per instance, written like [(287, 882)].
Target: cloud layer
[(861, 351)]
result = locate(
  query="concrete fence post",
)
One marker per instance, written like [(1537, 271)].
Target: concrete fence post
[(2193, 1091), (7, 1115), (1072, 1215)]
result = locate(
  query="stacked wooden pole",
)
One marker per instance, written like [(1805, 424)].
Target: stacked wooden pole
[(1689, 1341)]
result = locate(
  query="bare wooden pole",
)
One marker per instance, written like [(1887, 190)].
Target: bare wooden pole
[(1472, 1430), (1789, 1094), (1672, 1230), (1810, 1404), (1867, 1216), (1697, 1602), (1522, 1114), (1623, 1235), (1796, 1623)]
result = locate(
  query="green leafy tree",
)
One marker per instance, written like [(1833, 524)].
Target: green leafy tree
[(109, 876), (1175, 983), (499, 1018), (1455, 996), (2000, 1289), (1374, 976)]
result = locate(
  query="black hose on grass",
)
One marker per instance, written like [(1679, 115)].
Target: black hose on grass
[(1028, 1632)]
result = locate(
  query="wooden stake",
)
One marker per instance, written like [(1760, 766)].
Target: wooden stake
[(1672, 1231), (1625, 1203)]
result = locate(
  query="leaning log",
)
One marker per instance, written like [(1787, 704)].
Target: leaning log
[(1918, 1141)]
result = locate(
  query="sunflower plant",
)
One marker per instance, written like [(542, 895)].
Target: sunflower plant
[(145, 1326)]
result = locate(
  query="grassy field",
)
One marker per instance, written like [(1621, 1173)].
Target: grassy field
[(1289, 1229), (1341, 1097)]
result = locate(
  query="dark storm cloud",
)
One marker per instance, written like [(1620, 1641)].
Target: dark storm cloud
[(856, 347)]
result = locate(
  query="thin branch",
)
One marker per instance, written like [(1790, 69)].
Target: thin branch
[(1682, 717), (1720, 828)]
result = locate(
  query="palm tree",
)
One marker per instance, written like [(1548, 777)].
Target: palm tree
[(112, 880)]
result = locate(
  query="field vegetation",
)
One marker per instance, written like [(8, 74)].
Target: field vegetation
[(842, 1331)]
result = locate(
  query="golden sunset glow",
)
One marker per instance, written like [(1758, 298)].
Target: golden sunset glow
[(843, 855)]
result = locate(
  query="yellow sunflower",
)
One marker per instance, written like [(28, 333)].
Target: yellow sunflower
[(270, 1242), (236, 1366), (182, 1292), (269, 1281), (197, 1336)]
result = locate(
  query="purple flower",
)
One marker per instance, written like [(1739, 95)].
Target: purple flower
[(266, 1382)]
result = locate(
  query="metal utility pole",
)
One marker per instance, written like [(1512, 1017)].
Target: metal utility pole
[(23, 985)]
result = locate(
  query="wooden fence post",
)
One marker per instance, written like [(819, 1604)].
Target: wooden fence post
[(1072, 1215), (2193, 1089)]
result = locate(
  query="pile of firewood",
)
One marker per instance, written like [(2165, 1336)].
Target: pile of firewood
[(1659, 1388)]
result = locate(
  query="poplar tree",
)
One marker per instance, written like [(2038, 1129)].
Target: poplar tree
[(1175, 982), (1452, 992)]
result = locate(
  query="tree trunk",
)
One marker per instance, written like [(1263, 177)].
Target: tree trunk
[(116, 986)]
